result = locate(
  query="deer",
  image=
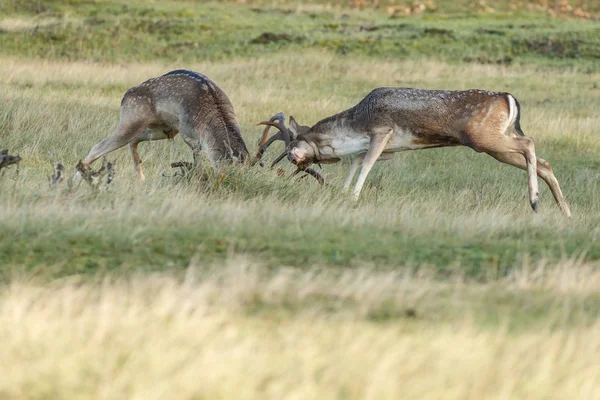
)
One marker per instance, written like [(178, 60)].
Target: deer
[(186, 102), (389, 120), (179, 101)]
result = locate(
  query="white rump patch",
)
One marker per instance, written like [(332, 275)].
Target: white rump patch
[(512, 110)]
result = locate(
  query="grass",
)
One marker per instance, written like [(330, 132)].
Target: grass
[(477, 209), (115, 31), (238, 331), (440, 283)]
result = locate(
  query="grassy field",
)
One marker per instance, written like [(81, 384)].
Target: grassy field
[(187, 31), (440, 283)]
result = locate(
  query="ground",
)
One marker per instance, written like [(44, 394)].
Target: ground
[(441, 282)]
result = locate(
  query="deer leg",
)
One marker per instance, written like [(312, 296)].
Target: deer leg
[(192, 139), (544, 171), (516, 143), (355, 164), (353, 168), (137, 161), (148, 135), (524, 146), (122, 135), (530, 157), (376, 147)]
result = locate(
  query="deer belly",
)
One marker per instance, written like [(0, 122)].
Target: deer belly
[(159, 132), (404, 140)]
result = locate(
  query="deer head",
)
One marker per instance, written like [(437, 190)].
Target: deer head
[(293, 137)]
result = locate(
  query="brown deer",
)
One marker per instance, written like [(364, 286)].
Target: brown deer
[(389, 120), (185, 102)]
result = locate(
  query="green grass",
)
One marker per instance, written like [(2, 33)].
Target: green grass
[(450, 209), (115, 31)]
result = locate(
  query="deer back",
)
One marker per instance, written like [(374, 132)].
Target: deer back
[(422, 118), (188, 102), (453, 115)]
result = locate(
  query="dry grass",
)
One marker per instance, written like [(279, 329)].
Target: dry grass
[(201, 335)]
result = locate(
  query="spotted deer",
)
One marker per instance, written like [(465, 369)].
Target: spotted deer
[(183, 102), (389, 120)]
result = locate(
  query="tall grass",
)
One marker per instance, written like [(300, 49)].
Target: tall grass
[(436, 207), (238, 331)]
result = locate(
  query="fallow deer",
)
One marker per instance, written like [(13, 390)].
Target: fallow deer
[(389, 120), (180, 101)]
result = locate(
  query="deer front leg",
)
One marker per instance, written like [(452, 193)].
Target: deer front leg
[(376, 147), (125, 132), (353, 168), (355, 164)]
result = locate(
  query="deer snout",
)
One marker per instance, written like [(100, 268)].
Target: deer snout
[(298, 155), (294, 157)]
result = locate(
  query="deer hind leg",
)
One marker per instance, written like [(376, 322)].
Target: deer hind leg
[(525, 146), (148, 135), (513, 142), (194, 142), (544, 171), (376, 147), (137, 161)]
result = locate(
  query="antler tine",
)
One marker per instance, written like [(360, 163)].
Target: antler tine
[(283, 134), (279, 117), (284, 131), (311, 172), (279, 158), (316, 175), (261, 150)]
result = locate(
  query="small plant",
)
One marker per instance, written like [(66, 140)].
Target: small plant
[(7, 160), (58, 173)]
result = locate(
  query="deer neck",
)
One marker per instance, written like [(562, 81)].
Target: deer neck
[(336, 137)]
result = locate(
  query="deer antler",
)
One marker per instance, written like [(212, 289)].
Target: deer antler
[(311, 172), (285, 135), (6, 159)]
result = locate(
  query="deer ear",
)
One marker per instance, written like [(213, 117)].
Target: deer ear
[(294, 127)]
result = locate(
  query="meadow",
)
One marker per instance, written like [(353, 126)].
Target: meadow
[(440, 283)]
